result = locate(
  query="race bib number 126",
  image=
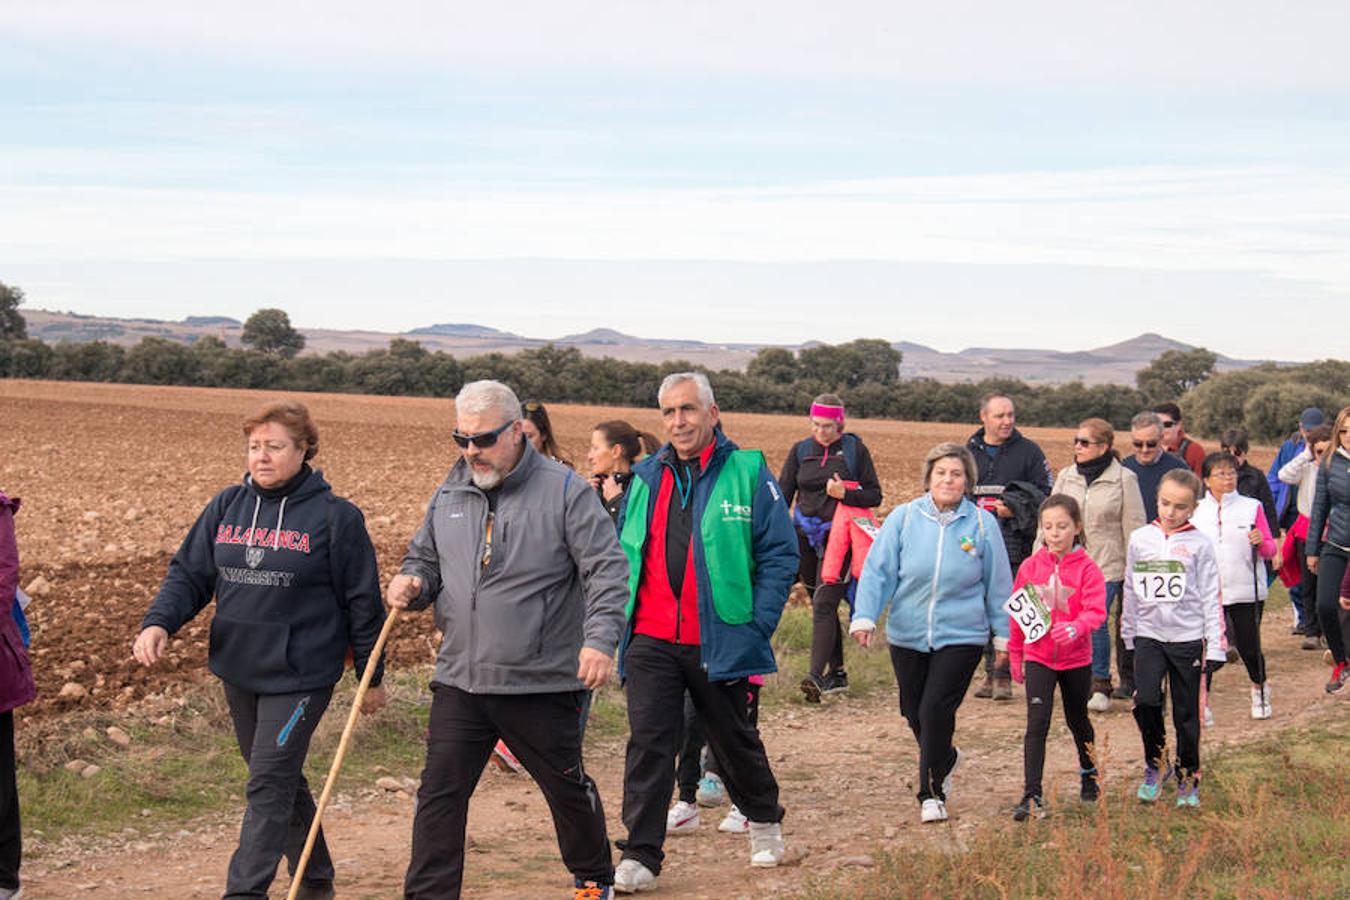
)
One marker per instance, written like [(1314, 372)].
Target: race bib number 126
[(1159, 580), (1030, 613)]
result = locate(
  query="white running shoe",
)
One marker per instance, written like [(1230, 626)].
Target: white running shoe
[(1209, 717), (1266, 711), (766, 844), (1100, 702), (682, 818), (710, 791), (1258, 702), (734, 823), (934, 810), (947, 781), (632, 877)]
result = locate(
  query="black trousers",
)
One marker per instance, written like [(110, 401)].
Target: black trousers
[(932, 686), (11, 838), (273, 731), (1308, 594), (1181, 664), (827, 634), (1244, 621), (543, 731), (1330, 570), (658, 674), (692, 764), (1075, 687)]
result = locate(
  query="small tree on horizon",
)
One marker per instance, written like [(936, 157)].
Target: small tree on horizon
[(12, 324), (270, 331), (1174, 373)]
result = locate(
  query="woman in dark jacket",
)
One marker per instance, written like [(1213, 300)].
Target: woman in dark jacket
[(822, 471), (16, 689), (1328, 545), (615, 447), (295, 580)]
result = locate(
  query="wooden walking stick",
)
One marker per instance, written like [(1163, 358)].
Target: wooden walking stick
[(341, 753)]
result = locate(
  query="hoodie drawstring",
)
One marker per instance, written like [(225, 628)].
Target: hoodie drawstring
[(253, 525)]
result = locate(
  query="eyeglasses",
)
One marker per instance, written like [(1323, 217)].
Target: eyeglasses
[(1167, 424), (1085, 442), (1140, 445), (1223, 473), (484, 439)]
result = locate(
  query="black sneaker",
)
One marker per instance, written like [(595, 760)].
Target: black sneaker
[(1091, 791), (1123, 691), (1313, 642), (315, 890), (813, 686), (835, 683), (986, 690), (1030, 806)]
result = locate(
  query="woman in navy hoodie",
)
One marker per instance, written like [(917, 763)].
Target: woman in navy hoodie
[(294, 576)]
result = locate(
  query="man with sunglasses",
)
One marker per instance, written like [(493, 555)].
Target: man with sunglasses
[(529, 584), (1175, 440), (1150, 458)]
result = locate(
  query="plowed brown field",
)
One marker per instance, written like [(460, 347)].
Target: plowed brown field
[(112, 476)]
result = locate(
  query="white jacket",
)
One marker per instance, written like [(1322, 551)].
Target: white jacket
[(1172, 589), (1228, 525), (1302, 472)]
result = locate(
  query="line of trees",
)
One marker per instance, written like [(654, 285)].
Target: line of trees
[(1265, 400)]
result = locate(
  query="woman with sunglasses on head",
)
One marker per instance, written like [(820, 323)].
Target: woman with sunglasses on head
[(1237, 526), (1113, 507), (615, 446), (538, 430)]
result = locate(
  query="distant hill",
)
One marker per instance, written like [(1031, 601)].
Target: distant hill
[(1113, 364)]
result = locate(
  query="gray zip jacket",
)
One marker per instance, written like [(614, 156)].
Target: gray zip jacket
[(519, 591)]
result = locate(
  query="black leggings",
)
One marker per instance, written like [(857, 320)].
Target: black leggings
[(827, 635), (11, 840), (1075, 687), (1245, 619), (932, 686), (1330, 572), (1180, 664)]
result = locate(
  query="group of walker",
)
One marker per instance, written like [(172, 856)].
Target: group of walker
[(676, 561)]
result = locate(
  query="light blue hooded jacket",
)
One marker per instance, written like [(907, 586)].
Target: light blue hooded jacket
[(944, 586)]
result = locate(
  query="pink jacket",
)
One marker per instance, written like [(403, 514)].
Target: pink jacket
[(851, 532), (1081, 602)]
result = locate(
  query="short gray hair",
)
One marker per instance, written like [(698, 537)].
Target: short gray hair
[(1146, 419), (950, 450), (991, 397), (478, 397), (705, 391)]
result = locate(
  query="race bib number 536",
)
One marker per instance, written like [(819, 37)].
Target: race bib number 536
[(1159, 580), (1030, 613)]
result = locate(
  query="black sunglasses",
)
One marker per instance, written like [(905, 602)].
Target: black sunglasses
[(1084, 442), (484, 439), (1167, 424), (1140, 445)]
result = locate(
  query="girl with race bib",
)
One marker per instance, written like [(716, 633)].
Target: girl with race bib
[(1171, 619), (1059, 597)]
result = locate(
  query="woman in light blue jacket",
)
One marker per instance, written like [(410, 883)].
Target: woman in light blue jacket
[(940, 566)]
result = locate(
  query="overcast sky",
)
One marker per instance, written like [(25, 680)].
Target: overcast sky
[(1060, 175)]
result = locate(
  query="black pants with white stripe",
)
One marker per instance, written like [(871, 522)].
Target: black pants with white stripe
[(544, 732), (1182, 665)]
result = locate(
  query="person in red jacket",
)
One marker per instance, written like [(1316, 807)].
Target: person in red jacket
[(1175, 439), (1059, 598)]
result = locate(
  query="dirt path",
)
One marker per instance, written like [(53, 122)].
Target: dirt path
[(846, 770)]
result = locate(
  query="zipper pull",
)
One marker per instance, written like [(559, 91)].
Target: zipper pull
[(487, 541)]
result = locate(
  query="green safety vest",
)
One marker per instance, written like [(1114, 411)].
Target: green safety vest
[(725, 531)]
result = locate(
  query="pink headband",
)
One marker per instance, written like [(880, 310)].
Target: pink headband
[(828, 412)]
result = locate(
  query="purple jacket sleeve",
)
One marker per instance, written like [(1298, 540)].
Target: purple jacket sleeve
[(9, 553)]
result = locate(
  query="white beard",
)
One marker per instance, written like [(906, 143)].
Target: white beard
[(486, 481)]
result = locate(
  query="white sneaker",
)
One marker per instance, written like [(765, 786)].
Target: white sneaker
[(947, 781), (710, 791), (1100, 702), (632, 877), (766, 844), (1265, 701), (734, 823), (682, 818), (934, 810), (1209, 717), (1258, 702)]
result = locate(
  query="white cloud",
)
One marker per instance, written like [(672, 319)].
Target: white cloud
[(1246, 42)]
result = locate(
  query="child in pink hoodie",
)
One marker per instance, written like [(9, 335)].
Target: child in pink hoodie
[(1059, 597)]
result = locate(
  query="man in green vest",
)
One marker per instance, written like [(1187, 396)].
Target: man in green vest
[(711, 553)]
